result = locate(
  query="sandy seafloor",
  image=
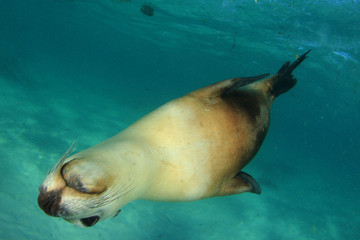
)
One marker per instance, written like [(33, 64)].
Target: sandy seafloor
[(85, 70)]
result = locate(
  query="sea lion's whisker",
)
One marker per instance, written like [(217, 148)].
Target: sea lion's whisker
[(110, 196), (63, 157), (101, 200)]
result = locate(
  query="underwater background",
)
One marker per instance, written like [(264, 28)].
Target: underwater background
[(85, 70)]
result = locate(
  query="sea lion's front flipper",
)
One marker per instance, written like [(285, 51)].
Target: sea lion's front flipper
[(242, 182)]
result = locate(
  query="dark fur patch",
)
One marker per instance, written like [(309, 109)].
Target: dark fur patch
[(49, 201), (246, 101), (75, 182), (72, 179)]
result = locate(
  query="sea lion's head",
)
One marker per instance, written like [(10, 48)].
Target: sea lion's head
[(82, 191)]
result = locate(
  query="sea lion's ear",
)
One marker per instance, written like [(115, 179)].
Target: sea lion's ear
[(84, 176), (242, 182)]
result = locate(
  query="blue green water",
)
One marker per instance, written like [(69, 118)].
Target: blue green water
[(85, 70)]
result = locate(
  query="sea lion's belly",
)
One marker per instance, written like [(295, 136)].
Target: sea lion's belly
[(196, 146)]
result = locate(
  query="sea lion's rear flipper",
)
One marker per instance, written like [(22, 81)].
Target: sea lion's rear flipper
[(280, 82), (283, 81), (242, 182)]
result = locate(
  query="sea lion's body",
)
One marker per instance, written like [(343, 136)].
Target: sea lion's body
[(191, 148)]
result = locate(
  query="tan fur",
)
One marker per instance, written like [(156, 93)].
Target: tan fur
[(190, 148), (200, 144)]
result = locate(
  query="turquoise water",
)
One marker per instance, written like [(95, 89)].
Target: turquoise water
[(85, 70)]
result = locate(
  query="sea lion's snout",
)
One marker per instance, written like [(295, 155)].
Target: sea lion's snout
[(49, 201), (74, 179), (81, 191)]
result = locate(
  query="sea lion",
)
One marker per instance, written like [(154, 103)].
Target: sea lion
[(191, 148)]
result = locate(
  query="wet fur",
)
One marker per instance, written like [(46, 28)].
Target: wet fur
[(191, 148)]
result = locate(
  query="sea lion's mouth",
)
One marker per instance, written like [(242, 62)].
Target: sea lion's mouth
[(90, 221)]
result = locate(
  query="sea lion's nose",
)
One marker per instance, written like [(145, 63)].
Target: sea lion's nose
[(49, 201)]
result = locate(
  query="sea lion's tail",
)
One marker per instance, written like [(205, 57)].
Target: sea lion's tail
[(283, 81)]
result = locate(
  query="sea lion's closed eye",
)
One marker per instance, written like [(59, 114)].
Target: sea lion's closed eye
[(82, 176)]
